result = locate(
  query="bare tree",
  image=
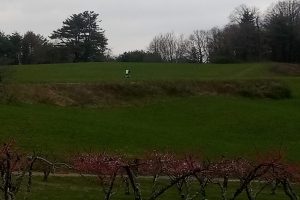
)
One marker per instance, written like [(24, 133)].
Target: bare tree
[(170, 47), (198, 46), (282, 25), (244, 13), (182, 45), (14, 167)]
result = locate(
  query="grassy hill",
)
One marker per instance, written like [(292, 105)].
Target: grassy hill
[(212, 124), (97, 72)]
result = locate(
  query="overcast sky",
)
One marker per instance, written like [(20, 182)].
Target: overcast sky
[(128, 24)]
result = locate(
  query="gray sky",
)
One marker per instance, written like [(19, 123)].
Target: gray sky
[(128, 24)]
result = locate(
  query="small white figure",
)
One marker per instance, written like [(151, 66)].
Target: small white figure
[(127, 73)]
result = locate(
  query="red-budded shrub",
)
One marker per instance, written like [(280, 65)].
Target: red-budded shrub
[(182, 171)]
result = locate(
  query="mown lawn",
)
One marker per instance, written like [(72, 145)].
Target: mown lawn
[(71, 188), (97, 72), (212, 125)]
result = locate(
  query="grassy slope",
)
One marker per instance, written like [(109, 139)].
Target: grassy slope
[(93, 72), (214, 125)]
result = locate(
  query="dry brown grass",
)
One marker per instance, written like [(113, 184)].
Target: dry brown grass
[(286, 69), (125, 93)]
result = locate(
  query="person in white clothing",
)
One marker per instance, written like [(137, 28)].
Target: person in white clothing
[(127, 73)]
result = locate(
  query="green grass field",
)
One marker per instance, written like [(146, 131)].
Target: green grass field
[(98, 72), (70, 188), (212, 125)]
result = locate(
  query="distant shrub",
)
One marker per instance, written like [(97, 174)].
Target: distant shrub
[(223, 60), (139, 56)]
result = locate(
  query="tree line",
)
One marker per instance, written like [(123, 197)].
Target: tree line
[(80, 39), (250, 36)]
